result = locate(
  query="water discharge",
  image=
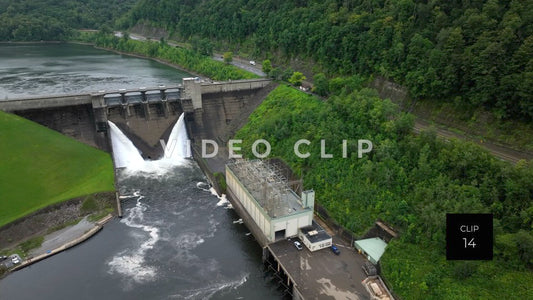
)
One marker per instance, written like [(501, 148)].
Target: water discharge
[(178, 145), (124, 152), (127, 156), (133, 264)]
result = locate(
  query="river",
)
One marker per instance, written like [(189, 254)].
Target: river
[(176, 241)]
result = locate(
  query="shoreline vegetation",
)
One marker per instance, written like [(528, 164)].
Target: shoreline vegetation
[(177, 57)]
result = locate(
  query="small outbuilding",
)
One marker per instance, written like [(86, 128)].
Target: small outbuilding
[(372, 248), (315, 237)]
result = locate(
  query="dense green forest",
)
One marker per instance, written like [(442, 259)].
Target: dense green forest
[(470, 53), (410, 181), (30, 20)]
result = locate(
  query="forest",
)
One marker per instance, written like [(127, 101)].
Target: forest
[(55, 20), (472, 54), (409, 181)]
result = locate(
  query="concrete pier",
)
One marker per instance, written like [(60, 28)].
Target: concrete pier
[(119, 206)]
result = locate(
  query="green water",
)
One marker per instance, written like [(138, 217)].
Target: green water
[(47, 69)]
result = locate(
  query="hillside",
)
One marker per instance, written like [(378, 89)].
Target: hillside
[(409, 181), (29, 20), (471, 54), (42, 167)]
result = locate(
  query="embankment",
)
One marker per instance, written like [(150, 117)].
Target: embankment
[(98, 226), (53, 216)]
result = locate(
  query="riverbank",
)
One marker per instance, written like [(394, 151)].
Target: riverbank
[(159, 60), (181, 58), (96, 228), (55, 225)]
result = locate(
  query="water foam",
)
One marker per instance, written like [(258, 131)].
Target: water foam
[(222, 199), (131, 263), (210, 290), (128, 157)]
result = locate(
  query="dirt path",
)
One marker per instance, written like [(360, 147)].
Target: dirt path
[(501, 152)]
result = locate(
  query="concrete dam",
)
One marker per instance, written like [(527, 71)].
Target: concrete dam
[(213, 110)]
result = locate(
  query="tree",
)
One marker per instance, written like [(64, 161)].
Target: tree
[(297, 78), (228, 57), (321, 84), (275, 73), (267, 66), (204, 46)]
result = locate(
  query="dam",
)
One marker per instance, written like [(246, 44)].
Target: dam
[(147, 114)]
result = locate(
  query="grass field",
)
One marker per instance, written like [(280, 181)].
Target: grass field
[(40, 167)]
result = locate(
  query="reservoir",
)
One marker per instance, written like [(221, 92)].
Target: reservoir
[(50, 69), (176, 241)]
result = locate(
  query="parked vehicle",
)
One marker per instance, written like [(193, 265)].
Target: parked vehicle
[(3, 257), (335, 250), (298, 245), (252, 62), (15, 260), (369, 269)]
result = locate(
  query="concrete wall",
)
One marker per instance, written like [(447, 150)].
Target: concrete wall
[(236, 85), (292, 223), (258, 214), (268, 226), (146, 125), (76, 121)]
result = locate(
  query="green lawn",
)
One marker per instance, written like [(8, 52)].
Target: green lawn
[(40, 167)]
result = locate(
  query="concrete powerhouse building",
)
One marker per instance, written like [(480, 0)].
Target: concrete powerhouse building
[(265, 194)]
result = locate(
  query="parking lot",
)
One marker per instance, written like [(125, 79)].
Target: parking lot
[(10, 261), (322, 274)]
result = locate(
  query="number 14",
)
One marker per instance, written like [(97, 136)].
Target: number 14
[(469, 243)]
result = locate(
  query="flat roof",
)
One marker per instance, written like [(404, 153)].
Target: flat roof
[(268, 187), (322, 274), (315, 233), (374, 247)]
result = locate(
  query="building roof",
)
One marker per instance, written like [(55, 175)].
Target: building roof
[(373, 247), (268, 187), (315, 233)]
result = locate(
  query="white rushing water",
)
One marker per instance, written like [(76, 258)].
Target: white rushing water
[(131, 262), (178, 144), (127, 156), (124, 152)]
